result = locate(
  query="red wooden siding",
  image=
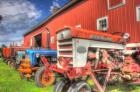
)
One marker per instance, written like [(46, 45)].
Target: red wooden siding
[(121, 19)]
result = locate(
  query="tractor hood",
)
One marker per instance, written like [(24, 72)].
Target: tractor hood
[(34, 54)]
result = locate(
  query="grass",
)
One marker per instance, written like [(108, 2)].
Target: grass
[(123, 88), (11, 82)]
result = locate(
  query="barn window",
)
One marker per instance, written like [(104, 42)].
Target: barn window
[(138, 13), (102, 23), (115, 3)]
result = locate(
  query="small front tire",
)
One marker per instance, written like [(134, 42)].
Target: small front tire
[(43, 79)]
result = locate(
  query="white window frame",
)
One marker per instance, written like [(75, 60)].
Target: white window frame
[(98, 25), (138, 13), (121, 4)]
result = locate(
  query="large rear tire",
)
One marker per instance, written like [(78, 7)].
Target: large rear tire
[(9, 62), (6, 61), (43, 79), (13, 65), (81, 86), (61, 86)]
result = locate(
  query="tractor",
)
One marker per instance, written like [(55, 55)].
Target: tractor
[(10, 54), (30, 65), (84, 54)]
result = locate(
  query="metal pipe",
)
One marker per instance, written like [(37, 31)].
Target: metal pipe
[(97, 84), (107, 78)]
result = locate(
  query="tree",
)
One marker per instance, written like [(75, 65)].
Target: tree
[(1, 18), (3, 46), (55, 9)]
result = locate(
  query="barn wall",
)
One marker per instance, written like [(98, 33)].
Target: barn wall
[(121, 19)]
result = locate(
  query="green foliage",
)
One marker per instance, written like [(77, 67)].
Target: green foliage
[(2, 46), (1, 18)]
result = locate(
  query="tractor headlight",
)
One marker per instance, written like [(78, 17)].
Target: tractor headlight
[(64, 34), (37, 55), (126, 36)]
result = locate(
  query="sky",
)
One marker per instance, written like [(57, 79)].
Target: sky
[(19, 16)]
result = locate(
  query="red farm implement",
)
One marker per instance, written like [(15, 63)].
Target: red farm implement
[(10, 54), (84, 54), (6, 53)]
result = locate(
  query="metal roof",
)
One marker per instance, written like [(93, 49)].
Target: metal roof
[(68, 5)]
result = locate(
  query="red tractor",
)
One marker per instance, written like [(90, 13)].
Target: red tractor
[(84, 54)]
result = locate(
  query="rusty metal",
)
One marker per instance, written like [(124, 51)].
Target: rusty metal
[(98, 85)]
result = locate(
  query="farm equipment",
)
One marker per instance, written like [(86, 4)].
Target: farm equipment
[(84, 53), (6, 53), (10, 54), (31, 63), (131, 67)]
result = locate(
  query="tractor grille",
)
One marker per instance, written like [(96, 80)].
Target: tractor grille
[(65, 48)]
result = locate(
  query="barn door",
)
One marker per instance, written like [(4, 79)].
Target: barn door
[(38, 40)]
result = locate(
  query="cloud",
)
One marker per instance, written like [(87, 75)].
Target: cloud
[(55, 4), (18, 17)]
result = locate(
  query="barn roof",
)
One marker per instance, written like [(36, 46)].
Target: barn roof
[(68, 5)]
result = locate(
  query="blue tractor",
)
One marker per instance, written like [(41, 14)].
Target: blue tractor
[(31, 63)]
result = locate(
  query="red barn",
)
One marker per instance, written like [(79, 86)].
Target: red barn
[(101, 15)]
